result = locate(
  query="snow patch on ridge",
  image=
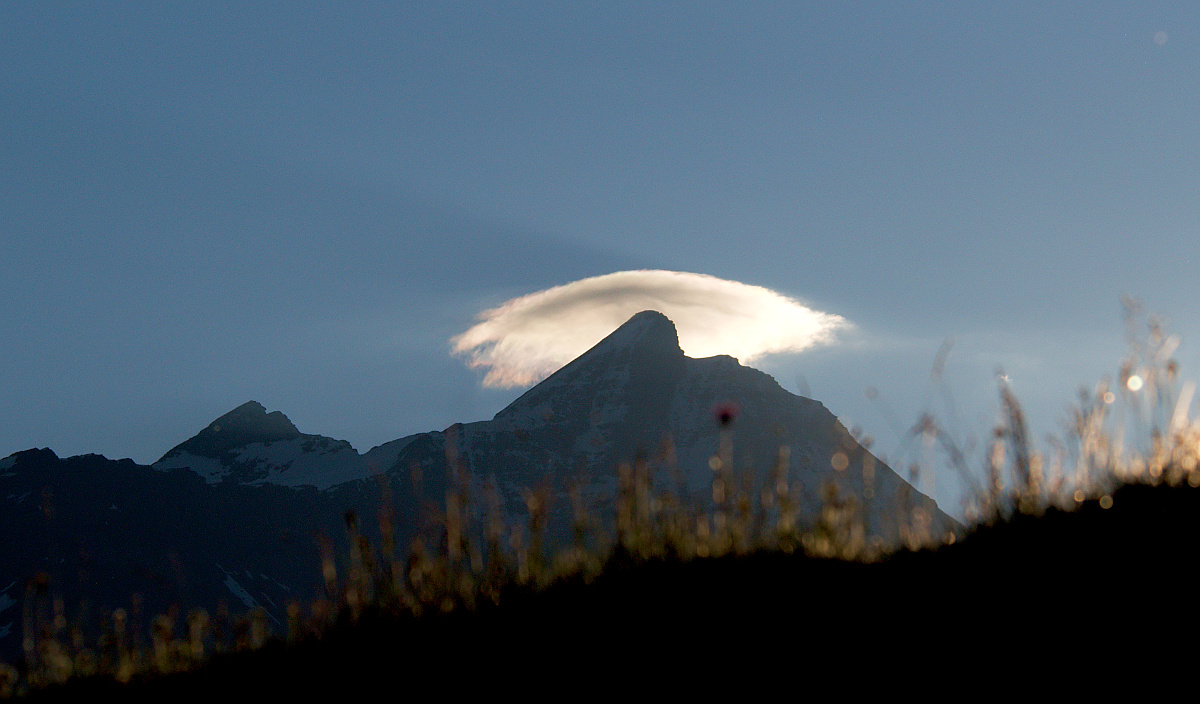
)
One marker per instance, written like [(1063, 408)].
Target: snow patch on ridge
[(304, 461), (238, 591), (211, 469), (5, 602), (307, 460)]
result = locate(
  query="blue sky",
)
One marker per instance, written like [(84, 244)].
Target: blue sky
[(302, 203)]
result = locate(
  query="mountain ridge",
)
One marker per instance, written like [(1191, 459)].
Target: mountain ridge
[(633, 394)]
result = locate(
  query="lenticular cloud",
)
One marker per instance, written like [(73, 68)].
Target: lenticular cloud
[(526, 339)]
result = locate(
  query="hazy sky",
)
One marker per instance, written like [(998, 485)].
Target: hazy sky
[(302, 204)]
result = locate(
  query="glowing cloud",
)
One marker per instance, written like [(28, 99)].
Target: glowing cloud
[(528, 338)]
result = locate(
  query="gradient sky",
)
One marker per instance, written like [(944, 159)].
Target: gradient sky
[(302, 203)]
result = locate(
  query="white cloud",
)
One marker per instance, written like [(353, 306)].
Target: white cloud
[(527, 338)]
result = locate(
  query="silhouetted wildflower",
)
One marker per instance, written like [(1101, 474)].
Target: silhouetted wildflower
[(725, 413)]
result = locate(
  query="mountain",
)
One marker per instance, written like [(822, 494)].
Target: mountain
[(635, 394), (250, 446), (238, 514)]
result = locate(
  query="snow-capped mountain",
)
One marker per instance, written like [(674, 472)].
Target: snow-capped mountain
[(250, 446)]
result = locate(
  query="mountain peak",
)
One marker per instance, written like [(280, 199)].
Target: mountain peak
[(252, 418), (245, 424), (650, 316), (647, 328), (643, 354)]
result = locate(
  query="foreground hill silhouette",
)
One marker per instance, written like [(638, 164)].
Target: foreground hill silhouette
[(1047, 593), (1048, 599)]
